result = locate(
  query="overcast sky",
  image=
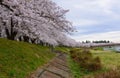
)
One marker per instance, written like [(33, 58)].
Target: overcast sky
[(93, 19)]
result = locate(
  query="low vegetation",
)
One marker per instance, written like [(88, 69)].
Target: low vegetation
[(110, 62), (82, 62), (114, 73), (109, 59), (85, 59), (19, 59)]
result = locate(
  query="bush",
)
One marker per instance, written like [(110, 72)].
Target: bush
[(74, 53), (85, 59)]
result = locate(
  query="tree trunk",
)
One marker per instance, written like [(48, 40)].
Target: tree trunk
[(12, 33)]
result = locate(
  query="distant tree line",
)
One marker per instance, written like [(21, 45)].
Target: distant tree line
[(101, 41), (97, 41)]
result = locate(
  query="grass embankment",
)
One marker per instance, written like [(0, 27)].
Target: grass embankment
[(110, 60), (19, 59)]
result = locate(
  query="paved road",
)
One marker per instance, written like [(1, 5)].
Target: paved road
[(57, 68)]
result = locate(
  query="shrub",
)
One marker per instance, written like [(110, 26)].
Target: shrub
[(74, 53), (85, 59), (93, 64)]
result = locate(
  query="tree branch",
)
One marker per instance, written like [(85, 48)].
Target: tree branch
[(6, 6)]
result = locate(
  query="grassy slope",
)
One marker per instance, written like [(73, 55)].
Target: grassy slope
[(18, 59), (109, 60)]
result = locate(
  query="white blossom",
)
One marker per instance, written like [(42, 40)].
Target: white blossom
[(35, 20)]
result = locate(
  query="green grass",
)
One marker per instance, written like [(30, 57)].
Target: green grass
[(19, 59), (110, 60), (63, 49), (98, 48)]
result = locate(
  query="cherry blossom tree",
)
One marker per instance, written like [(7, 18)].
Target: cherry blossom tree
[(35, 21)]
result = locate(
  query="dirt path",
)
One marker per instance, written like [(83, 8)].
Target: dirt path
[(57, 68)]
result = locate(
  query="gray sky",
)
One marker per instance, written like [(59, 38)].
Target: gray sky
[(93, 19)]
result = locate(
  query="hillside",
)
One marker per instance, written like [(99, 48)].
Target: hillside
[(19, 59)]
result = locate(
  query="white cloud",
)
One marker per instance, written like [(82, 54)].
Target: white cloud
[(103, 6), (85, 22), (97, 7), (94, 13), (112, 36)]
